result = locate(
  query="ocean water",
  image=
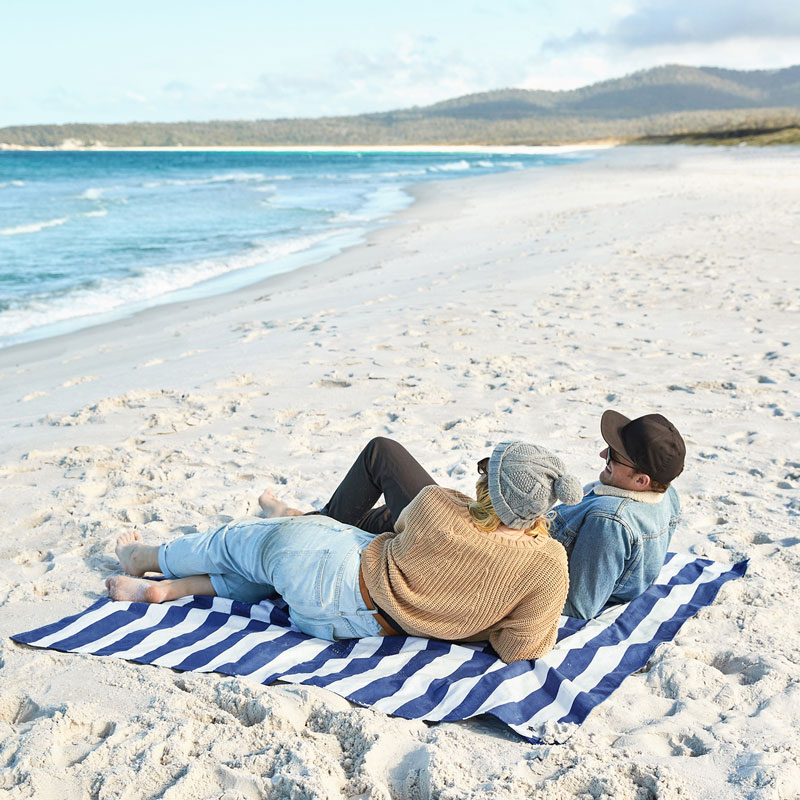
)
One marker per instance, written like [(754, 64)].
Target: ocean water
[(86, 237)]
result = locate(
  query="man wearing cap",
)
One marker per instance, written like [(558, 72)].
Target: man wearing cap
[(617, 536)]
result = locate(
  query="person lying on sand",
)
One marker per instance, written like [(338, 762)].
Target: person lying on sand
[(616, 537), (453, 568)]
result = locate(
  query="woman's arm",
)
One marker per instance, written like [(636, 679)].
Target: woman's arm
[(530, 630)]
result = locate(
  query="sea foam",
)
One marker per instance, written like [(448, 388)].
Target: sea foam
[(452, 166), (33, 227), (154, 286), (236, 177)]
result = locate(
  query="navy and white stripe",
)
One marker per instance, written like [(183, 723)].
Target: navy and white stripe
[(405, 676)]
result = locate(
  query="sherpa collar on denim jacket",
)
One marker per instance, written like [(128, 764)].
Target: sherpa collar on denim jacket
[(615, 491)]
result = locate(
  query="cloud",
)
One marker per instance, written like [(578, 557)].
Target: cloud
[(414, 70), (673, 22), (582, 67), (177, 88), (417, 71), (277, 85)]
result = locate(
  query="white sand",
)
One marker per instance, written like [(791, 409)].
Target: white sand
[(520, 305)]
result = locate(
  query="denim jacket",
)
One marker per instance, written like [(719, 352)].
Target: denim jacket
[(616, 541)]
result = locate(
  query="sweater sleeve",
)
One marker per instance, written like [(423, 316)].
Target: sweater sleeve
[(400, 524), (530, 630), (427, 492)]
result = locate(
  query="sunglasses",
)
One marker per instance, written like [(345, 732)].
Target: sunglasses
[(483, 466), (612, 455)]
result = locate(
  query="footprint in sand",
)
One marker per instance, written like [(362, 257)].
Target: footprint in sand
[(93, 489), (331, 383), (139, 516), (16, 709), (34, 563), (235, 381), (34, 395), (745, 669), (76, 381), (76, 736), (692, 745), (37, 519)]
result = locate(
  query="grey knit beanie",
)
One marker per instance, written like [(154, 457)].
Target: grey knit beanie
[(526, 480)]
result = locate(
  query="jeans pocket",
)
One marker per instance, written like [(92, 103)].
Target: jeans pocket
[(300, 577), (320, 629)]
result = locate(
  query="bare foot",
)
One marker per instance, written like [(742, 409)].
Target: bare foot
[(137, 590), (136, 557), (273, 507)]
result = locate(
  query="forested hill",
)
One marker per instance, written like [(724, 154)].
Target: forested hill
[(662, 90), (669, 102)]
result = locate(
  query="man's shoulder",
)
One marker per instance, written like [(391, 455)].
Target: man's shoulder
[(626, 512), (600, 514), (613, 510), (597, 499)]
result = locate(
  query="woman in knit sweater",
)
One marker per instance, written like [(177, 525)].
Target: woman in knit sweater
[(453, 568)]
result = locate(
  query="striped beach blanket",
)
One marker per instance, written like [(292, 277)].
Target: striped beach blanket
[(405, 676)]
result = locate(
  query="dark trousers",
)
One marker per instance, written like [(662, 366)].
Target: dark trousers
[(383, 467)]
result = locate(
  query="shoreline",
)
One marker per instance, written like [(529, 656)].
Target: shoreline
[(313, 254), (518, 305), (291, 280), (427, 192), (434, 200), (466, 148)]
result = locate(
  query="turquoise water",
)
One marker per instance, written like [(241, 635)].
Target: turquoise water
[(91, 236)]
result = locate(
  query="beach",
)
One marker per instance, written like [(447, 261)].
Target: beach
[(519, 305), (94, 236)]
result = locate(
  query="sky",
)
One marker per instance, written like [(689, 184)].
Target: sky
[(100, 61)]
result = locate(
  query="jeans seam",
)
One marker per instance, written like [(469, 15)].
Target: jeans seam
[(320, 570), (636, 557), (340, 579), (162, 561), (657, 534)]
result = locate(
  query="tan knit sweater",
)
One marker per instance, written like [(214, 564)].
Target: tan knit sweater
[(442, 577)]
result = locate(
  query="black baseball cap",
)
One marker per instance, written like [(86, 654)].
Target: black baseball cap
[(650, 442)]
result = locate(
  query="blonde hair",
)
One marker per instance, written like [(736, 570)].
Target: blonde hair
[(485, 517)]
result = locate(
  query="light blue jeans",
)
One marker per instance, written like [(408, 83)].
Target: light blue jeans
[(312, 562)]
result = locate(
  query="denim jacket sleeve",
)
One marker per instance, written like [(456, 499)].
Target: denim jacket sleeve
[(596, 563)]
